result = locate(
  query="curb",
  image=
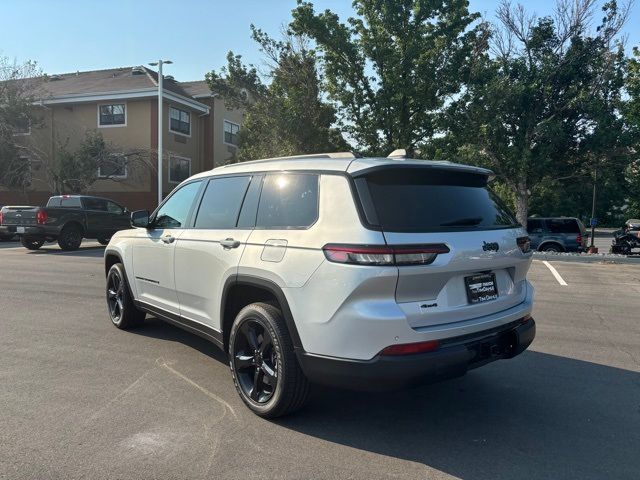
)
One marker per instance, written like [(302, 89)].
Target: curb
[(588, 258)]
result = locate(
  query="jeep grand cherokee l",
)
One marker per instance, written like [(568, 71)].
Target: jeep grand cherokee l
[(368, 273)]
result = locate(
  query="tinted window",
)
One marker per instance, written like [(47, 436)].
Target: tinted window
[(114, 208), (558, 225), (67, 202), (221, 202), (174, 212), (534, 226), (422, 200), (95, 204), (288, 200)]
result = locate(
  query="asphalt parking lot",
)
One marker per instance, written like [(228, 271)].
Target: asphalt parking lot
[(81, 399)]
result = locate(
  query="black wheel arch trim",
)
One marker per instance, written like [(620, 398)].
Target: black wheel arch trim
[(269, 286)]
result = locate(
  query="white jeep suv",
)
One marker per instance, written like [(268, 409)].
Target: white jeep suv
[(368, 273)]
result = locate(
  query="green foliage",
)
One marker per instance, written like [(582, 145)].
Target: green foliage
[(544, 109), (77, 171), (287, 116), (391, 69), (18, 84)]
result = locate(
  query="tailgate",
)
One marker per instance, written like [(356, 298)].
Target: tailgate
[(19, 215), (484, 270), (437, 293)]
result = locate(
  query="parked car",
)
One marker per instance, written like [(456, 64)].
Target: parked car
[(366, 273), (67, 219), (557, 234)]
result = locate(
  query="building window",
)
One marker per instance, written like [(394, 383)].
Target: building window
[(179, 121), (231, 132), (22, 126), (112, 115), (179, 169), (113, 167)]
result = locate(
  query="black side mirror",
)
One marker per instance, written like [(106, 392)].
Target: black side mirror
[(140, 219)]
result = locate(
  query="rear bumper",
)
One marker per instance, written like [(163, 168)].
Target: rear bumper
[(29, 231), (454, 358)]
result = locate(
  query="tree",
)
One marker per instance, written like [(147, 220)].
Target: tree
[(545, 105), (632, 118), (391, 69), (286, 116), (76, 171), (18, 88)]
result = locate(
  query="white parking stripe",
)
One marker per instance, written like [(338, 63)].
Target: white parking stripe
[(555, 273)]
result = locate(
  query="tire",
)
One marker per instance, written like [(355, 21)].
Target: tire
[(31, 243), (268, 358), (622, 248), (70, 238), (103, 241), (122, 311), (552, 247)]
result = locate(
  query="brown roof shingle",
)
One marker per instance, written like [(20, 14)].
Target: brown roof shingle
[(115, 80)]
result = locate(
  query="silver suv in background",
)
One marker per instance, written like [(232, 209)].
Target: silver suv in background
[(367, 273), (557, 234)]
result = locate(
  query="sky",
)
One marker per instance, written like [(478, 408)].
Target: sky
[(69, 35)]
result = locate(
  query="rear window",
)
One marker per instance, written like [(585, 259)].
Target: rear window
[(65, 202), (562, 225), (431, 200)]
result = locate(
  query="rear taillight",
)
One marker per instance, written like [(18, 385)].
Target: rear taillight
[(1, 217), (41, 217), (524, 243), (579, 239), (384, 254), (411, 348)]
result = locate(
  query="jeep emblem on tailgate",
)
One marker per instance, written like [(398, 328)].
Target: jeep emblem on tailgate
[(493, 246)]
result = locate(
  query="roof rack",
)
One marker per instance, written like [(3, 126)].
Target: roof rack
[(339, 155)]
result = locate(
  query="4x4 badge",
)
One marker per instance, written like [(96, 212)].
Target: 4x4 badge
[(493, 246)]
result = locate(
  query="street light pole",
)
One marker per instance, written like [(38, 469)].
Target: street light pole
[(592, 248), (159, 63)]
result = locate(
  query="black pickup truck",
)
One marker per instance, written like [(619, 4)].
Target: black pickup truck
[(67, 219)]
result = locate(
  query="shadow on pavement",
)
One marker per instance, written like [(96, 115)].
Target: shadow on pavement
[(89, 251), (156, 328), (536, 416)]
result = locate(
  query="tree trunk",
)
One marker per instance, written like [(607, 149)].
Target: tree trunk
[(522, 204)]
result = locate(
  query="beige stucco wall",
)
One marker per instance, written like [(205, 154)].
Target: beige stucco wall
[(205, 146), (177, 144), (222, 152)]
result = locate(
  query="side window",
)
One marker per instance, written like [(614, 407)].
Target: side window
[(288, 200), (534, 226), (221, 202), (174, 212), (114, 208), (563, 226), (95, 204)]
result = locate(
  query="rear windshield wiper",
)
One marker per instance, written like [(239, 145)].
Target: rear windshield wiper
[(462, 222)]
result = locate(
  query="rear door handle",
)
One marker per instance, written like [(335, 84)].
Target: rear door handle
[(230, 243), (168, 239)]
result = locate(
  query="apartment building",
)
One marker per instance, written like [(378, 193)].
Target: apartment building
[(200, 133)]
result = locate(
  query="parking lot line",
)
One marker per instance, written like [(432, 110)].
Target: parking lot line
[(555, 273)]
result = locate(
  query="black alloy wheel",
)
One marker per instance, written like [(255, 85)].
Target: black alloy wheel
[(255, 361), (115, 296)]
